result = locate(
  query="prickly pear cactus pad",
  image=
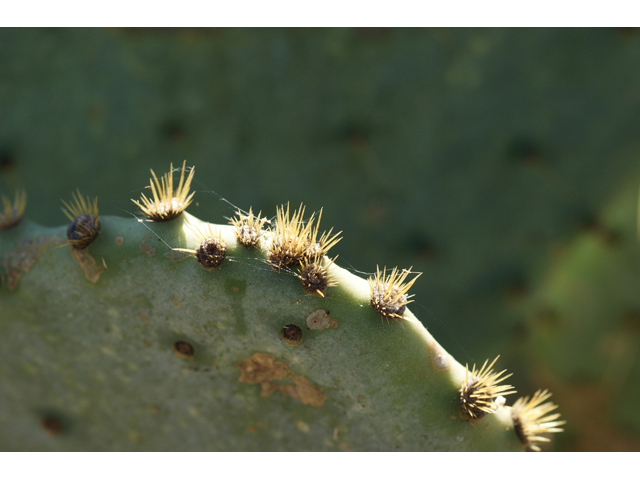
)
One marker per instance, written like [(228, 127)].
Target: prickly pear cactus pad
[(138, 341)]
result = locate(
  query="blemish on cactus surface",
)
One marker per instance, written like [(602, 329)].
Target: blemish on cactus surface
[(291, 334), (19, 261), (183, 349), (317, 248), (51, 425), (264, 369), (389, 292), (119, 241), (320, 319), (176, 256), (302, 426), (167, 204), (211, 250), (531, 419), (479, 389), (85, 222), (147, 248), (248, 229), (315, 277), (92, 269), (438, 358), (12, 213), (290, 238)]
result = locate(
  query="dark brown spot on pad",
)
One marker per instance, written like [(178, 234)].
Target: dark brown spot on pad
[(263, 368), (51, 425), (92, 269), (182, 349), (291, 334), (19, 261)]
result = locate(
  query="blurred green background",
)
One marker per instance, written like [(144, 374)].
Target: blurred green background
[(502, 163)]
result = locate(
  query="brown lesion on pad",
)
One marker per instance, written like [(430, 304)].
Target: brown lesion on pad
[(146, 248), (320, 320), (438, 359), (291, 334), (51, 425), (176, 256), (264, 369), (19, 261), (183, 349), (92, 269)]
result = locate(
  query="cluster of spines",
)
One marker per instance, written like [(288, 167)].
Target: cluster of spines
[(248, 229), (12, 213), (289, 238), (531, 419), (85, 221), (315, 276), (167, 204), (319, 247), (389, 292), (295, 242), (211, 249), (480, 390), (481, 394)]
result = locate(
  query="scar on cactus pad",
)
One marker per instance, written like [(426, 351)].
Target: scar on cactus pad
[(291, 334), (182, 349), (166, 204), (11, 214), (51, 425), (85, 222), (479, 391), (295, 241)]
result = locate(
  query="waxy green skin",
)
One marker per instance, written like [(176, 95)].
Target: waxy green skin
[(98, 357)]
